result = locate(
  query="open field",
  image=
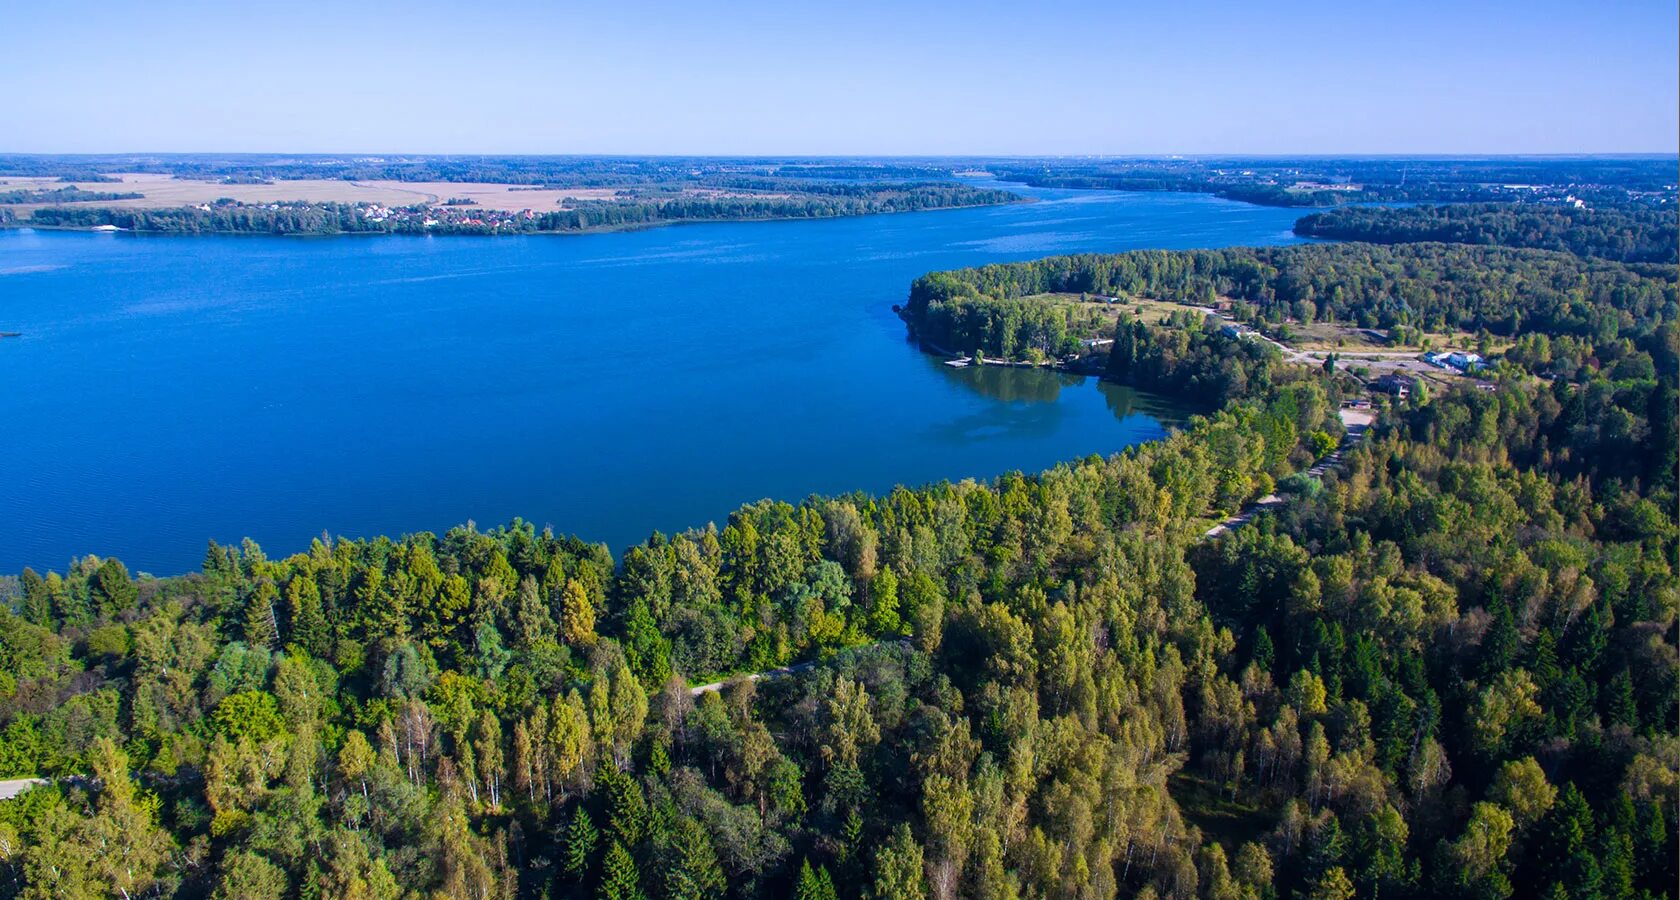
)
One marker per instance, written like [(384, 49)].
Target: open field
[(168, 191), (1341, 337), (1355, 348), (1151, 311)]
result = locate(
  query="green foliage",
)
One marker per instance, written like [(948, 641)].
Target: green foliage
[(1436, 286), (898, 868), (772, 200), (249, 714), (579, 845), (814, 884), (1618, 233), (619, 879), (1438, 669)]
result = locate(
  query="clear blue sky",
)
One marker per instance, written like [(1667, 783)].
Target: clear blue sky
[(1056, 77)]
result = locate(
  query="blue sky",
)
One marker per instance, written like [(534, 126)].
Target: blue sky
[(1057, 77)]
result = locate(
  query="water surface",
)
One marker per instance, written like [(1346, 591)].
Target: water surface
[(169, 390)]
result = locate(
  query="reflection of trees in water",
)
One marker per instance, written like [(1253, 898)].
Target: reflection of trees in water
[(1013, 385), (1126, 401), (1120, 399), (1022, 385)]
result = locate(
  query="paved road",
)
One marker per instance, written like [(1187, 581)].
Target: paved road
[(16, 786), (783, 672), (1355, 421)]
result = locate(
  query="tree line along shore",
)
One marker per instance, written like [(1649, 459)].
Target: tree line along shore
[(1447, 668), (312, 218)]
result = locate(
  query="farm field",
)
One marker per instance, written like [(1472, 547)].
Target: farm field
[(163, 191)]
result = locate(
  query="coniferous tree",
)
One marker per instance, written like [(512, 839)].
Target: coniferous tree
[(690, 863), (619, 878), (579, 845)]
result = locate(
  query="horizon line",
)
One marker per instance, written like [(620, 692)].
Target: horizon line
[(1616, 154)]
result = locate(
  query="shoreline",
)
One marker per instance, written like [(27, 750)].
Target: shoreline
[(1070, 367), (19, 225)]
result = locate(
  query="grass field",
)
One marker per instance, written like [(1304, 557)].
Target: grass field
[(1150, 311), (1343, 338)]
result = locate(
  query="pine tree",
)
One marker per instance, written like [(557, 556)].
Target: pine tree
[(1264, 653), (1568, 853), (1620, 706), (1332, 885), (814, 884), (1500, 647), (691, 864), (619, 879), (581, 838), (1655, 860), (37, 602), (851, 835), (898, 868), (307, 626), (626, 807), (112, 589), (130, 847), (262, 630), (531, 615), (659, 757), (1618, 864), (1328, 847)]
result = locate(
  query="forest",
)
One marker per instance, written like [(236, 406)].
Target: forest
[(229, 218), (340, 218), (1619, 233), (821, 202), (68, 194), (1504, 291), (1397, 664), (1319, 181), (1445, 668)]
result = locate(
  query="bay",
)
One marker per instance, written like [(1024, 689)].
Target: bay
[(169, 390)]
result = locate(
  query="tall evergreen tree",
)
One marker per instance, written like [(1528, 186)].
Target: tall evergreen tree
[(578, 846), (619, 878)]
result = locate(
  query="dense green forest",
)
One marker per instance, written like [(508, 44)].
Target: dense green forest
[(1192, 359), (233, 218), (340, 218), (1447, 668), (1448, 671), (1624, 234), (1321, 181), (70, 194), (847, 200), (1433, 286)]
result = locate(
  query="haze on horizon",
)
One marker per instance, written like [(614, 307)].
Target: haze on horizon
[(1067, 77)]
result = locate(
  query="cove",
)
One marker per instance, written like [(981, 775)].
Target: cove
[(170, 390)]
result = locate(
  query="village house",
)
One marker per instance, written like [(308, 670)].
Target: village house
[(1456, 359), (1397, 385), (1465, 362)]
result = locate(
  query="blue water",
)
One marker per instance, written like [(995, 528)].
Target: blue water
[(169, 390)]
